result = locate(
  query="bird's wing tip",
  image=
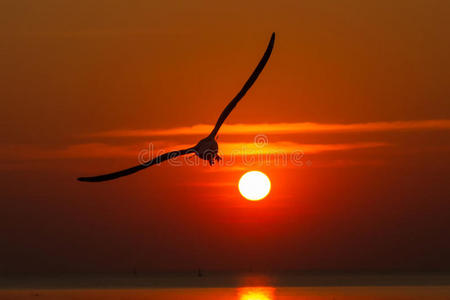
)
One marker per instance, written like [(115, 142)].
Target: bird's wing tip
[(272, 38)]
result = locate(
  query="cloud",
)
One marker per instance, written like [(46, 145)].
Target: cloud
[(282, 128), (290, 147), (89, 150), (101, 150)]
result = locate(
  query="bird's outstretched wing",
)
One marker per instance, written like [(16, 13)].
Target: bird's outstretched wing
[(137, 168), (246, 86)]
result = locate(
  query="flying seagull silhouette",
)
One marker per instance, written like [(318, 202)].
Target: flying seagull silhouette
[(206, 148)]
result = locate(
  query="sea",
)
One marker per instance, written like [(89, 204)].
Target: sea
[(230, 286)]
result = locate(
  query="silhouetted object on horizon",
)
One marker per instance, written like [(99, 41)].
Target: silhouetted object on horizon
[(199, 273), (207, 148)]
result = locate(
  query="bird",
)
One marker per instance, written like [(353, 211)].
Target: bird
[(207, 148)]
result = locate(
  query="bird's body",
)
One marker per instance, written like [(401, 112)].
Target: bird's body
[(207, 148)]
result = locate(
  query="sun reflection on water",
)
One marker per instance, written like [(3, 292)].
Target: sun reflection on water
[(256, 293)]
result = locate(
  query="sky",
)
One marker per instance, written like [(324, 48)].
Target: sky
[(350, 120)]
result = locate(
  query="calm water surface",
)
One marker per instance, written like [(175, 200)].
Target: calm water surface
[(306, 287)]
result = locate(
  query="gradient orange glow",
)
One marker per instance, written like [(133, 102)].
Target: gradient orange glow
[(256, 293), (350, 119)]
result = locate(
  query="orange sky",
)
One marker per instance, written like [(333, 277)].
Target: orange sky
[(359, 88)]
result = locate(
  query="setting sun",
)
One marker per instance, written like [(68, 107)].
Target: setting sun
[(254, 185)]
